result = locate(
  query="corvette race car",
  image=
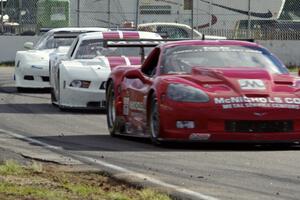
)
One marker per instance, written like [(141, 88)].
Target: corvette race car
[(79, 80), (213, 91), (32, 66)]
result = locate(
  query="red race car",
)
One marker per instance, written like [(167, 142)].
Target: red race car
[(213, 91)]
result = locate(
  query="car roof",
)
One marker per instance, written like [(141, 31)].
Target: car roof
[(77, 29), (119, 35), (208, 42), (164, 24)]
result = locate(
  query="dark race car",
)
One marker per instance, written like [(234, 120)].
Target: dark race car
[(213, 91)]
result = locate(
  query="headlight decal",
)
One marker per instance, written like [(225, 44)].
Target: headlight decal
[(186, 93), (80, 84)]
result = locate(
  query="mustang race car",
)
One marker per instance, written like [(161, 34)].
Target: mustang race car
[(79, 80), (213, 91), (32, 66)]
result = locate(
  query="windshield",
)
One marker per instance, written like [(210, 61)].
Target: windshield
[(49, 42), (181, 59), (90, 49)]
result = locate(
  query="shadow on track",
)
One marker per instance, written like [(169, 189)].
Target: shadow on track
[(38, 108), (108, 143), (42, 108)]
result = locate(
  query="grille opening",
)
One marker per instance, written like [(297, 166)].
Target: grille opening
[(259, 126), (45, 78), (29, 78)]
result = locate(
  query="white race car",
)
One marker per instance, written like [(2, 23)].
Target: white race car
[(32, 66), (78, 81), (176, 31)]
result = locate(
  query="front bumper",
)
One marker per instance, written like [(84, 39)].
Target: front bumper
[(32, 77), (82, 98), (210, 124)]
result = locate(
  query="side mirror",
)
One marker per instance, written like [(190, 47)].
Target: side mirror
[(136, 74), (133, 74), (28, 45)]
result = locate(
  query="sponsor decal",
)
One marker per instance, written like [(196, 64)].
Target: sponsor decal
[(258, 102), (252, 84), (136, 105), (126, 105), (199, 136), (36, 67), (258, 114)]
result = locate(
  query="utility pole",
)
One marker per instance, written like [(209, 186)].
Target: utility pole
[(210, 16), (137, 13), (192, 19), (78, 13), (249, 19), (108, 14), (2, 17), (20, 16)]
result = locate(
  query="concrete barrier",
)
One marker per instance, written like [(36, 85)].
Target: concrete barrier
[(286, 50), (9, 45)]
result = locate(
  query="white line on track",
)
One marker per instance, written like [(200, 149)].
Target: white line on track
[(181, 190), (21, 137)]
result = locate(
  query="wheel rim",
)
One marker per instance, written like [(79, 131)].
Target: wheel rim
[(154, 120), (111, 108)]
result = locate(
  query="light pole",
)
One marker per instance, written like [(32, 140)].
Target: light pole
[(137, 14), (249, 19), (108, 14), (192, 20), (1, 16), (78, 13)]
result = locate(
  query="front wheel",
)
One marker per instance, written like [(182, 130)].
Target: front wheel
[(111, 110), (53, 99), (154, 121)]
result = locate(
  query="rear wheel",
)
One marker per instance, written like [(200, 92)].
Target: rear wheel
[(111, 109), (154, 121)]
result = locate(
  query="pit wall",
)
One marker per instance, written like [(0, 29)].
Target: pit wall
[(286, 50)]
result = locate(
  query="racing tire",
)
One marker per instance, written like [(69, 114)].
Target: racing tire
[(111, 110), (154, 121)]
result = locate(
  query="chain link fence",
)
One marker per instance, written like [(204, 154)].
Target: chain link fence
[(263, 20)]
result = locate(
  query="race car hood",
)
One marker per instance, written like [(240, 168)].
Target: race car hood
[(254, 82), (114, 61), (88, 69), (38, 58), (59, 53)]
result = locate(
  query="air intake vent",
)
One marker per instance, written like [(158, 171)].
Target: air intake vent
[(103, 85), (259, 126), (28, 78), (45, 78)]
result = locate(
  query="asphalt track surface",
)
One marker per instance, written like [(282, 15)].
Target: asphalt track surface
[(219, 171)]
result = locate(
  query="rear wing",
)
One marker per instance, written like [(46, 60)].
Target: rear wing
[(144, 43), (66, 34), (141, 43), (71, 34)]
